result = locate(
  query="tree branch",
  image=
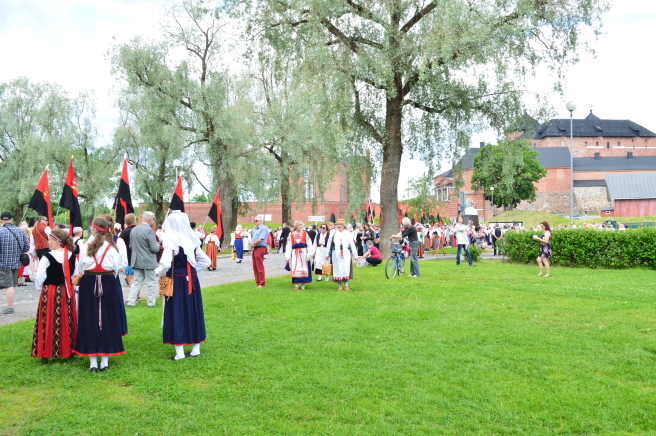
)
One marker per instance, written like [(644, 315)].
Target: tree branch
[(418, 16)]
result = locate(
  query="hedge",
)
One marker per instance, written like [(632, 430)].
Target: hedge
[(586, 248)]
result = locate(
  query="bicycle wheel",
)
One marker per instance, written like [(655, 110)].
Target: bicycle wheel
[(390, 267), (401, 264)]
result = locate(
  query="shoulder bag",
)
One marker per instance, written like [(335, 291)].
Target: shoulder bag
[(166, 283), (24, 258)]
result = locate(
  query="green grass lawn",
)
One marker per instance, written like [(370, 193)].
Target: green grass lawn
[(488, 350)]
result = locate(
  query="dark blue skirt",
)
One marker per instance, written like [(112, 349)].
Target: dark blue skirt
[(239, 248), (184, 320), (94, 339), (119, 297)]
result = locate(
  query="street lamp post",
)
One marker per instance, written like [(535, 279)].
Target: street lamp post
[(176, 164), (492, 202), (571, 106)]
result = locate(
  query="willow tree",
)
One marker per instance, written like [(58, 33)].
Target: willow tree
[(420, 73), (304, 142), (185, 74)]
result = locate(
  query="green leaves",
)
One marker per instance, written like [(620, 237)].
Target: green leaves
[(511, 167), (587, 248)]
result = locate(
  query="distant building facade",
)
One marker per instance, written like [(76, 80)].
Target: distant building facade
[(600, 148)]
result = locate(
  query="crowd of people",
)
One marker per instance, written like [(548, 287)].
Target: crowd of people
[(81, 311)]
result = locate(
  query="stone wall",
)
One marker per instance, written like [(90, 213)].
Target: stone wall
[(590, 199)]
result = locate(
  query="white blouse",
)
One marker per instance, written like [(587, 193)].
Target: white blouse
[(44, 263), (113, 260)]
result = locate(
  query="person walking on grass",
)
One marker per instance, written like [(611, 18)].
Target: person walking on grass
[(341, 249), (409, 231), (143, 243), (462, 239), (13, 243), (299, 252), (545, 248)]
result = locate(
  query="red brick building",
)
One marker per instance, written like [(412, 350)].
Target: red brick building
[(600, 147)]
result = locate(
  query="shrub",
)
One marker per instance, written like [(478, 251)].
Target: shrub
[(589, 248)]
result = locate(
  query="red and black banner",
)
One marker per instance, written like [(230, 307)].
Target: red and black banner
[(177, 202), (423, 216), (400, 215), (123, 201), (70, 201), (333, 219), (40, 201), (414, 218), (439, 219), (215, 215)]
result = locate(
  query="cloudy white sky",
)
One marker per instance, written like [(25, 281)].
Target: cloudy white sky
[(66, 41)]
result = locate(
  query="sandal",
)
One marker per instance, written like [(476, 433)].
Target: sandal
[(296, 288)]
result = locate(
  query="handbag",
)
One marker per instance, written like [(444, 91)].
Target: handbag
[(327, 269), (166, 283), (77, 279), (24, 257)]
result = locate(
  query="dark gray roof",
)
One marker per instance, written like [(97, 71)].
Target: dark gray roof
[(446, 174), (615, 163), (635, 185), (591, 126), (549, 157), (584, 183)]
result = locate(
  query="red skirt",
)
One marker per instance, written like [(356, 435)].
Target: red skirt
[(210, 250), (55, 327)]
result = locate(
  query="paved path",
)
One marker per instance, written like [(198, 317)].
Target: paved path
[(228, 271)]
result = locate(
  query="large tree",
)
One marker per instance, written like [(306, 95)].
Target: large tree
[(420, 73), (512, 168)]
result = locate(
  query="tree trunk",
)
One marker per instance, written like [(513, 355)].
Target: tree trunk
[(392, 152), (228, 216), (285, 198)]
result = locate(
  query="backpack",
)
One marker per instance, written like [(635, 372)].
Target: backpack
[(497, 232)]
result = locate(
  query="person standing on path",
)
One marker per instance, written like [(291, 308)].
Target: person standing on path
[(13, 243), (144, 259), (258, 250), (130, 223), (283, 236), (40, 234), (462, 238), (496, 235), (410, 232)]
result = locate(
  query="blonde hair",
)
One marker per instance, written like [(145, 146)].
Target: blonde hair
[(298, 225), (239, 227)]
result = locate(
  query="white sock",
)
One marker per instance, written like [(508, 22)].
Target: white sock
[(195, 350), (319, 279), (104, 361), (302, 286), (179, 352), (345, 282), (340, 285), (93, 361)]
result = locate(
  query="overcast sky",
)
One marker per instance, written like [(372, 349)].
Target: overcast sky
[(66, 41)]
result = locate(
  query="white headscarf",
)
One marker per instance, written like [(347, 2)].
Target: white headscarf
[(178, 233)]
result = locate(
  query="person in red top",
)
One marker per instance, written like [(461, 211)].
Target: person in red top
[(41, 233), (372, 255)]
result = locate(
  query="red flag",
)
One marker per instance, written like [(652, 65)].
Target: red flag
[(215, 215), (123, 200), (177, 202), (400, 215), (333, 219), (40, 201), (69, 200)]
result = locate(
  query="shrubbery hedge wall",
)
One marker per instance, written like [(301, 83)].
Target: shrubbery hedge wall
[(589, 248)]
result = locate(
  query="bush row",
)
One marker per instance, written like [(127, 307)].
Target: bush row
[(587, 248)]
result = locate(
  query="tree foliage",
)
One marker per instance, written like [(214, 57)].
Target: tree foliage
[(414, 75), (512, 168)]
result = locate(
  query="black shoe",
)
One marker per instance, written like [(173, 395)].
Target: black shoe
[(93, 369), (74, 359), (174, 359), (28, 280), (44, 360), (194, 355), (105, 368), (472, 264)]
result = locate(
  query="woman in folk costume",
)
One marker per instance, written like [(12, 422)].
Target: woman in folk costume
[(123, 251), (321, 250), (300, 249), (239, 243), (184, 320), (342, 248), (100, 327), (212, 244), (56, 323)]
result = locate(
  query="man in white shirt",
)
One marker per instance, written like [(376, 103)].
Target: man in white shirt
[(462, 238)]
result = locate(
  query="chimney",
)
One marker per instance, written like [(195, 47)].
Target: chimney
[(597, 156), (629, 155), (481, 144)]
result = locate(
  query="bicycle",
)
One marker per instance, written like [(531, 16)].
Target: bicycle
[(396, 262)]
